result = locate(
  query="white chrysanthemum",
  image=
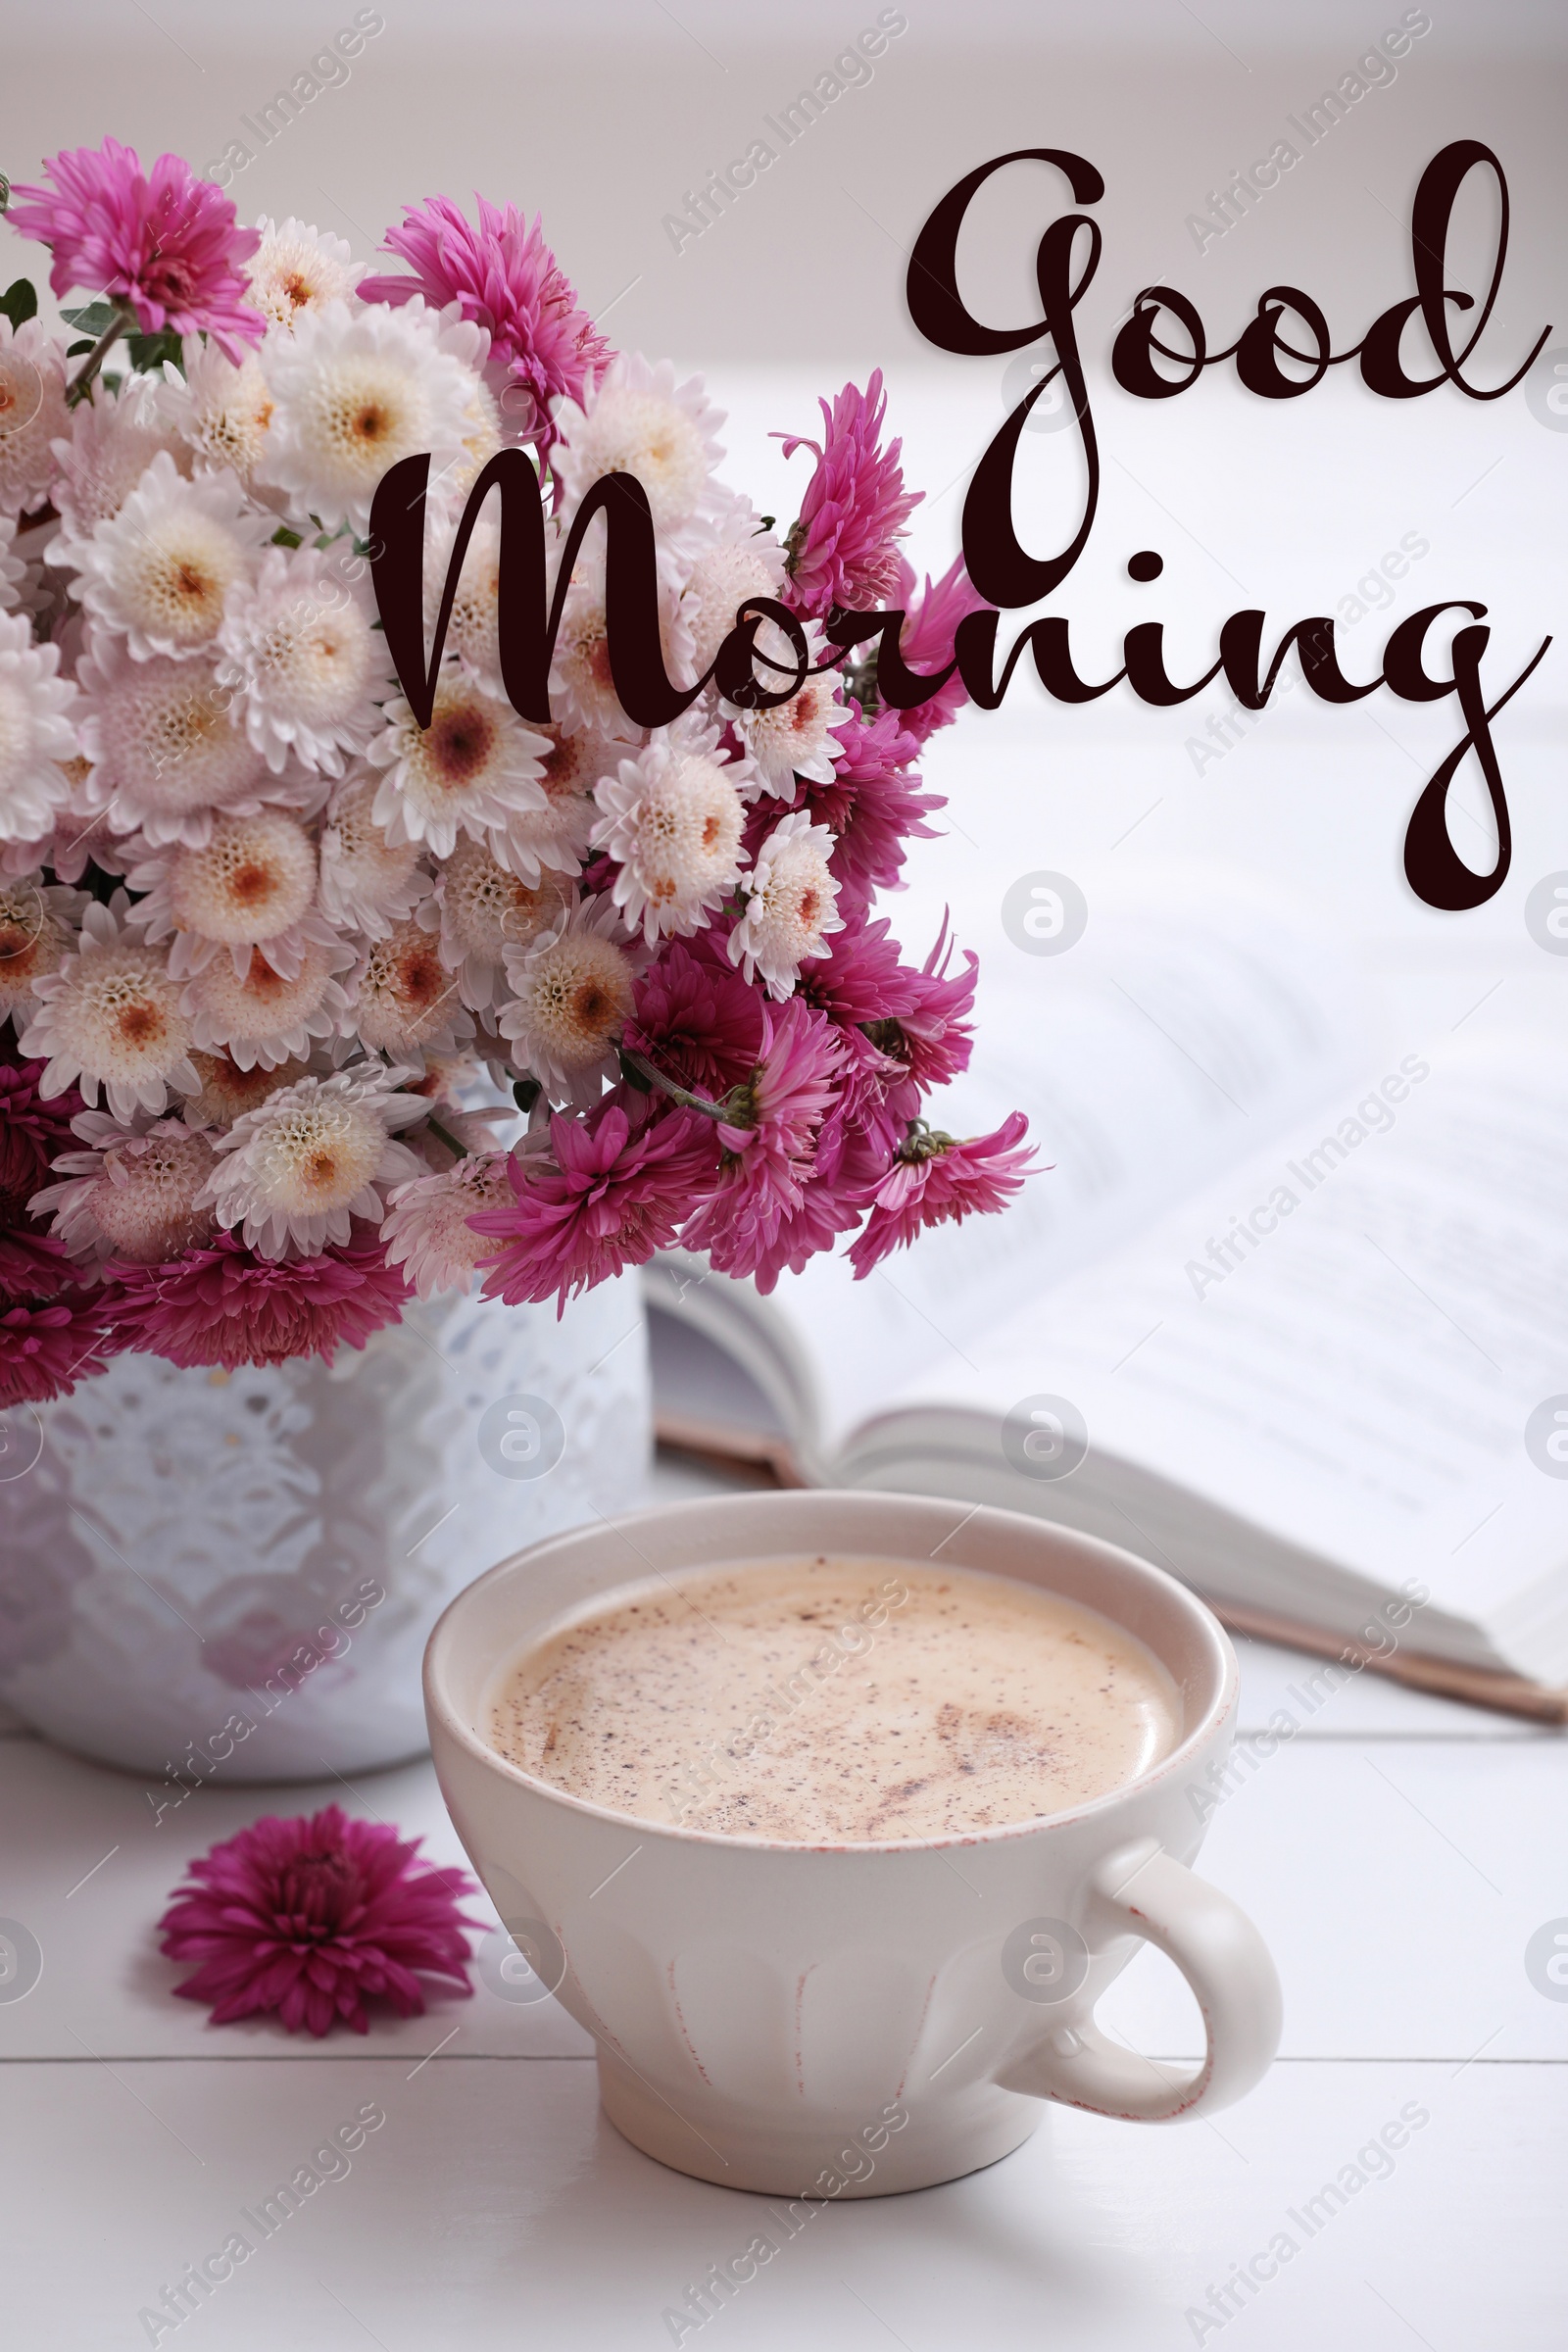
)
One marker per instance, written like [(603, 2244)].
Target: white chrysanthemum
[(472, 623), (427, 1233), (582, 686), (263, 1019), (13, 571), (37, 708), (354, 392), (252, 886), (159, 573), (294, 1173), (367, 883), (298, 648), (228, 1092), (795, 738), (220, 410), (636, 420), (790, 903), (468, 343), (131, 1195), (32, 412), (485, 909), (297, 269), (672, 819), (76, 842), (741, 561), (38, 931), (402, 999), (571, 992), (165, 752), (474, 769), (109, 1016), (554, 838), (112, 439)]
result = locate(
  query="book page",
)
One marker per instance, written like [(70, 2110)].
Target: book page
[(1168, 1044), (1358, 1342)]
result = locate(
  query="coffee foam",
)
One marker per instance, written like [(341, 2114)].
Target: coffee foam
[(837, 1699)]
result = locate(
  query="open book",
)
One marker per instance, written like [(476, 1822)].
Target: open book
[(1289, 1315)]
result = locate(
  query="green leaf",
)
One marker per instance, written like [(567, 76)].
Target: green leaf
[(149, 352), (5, 193), (19, 302), (95, 321), (284, 537), (525, 1093), (73, 350), (633, 1077)]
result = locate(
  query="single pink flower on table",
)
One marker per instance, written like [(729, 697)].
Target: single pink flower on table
[(226, 1305), (608, 1190), (925, 642), (165, 242), (768, 1138), (310, 1918), (505, 278), (936, 1180), (842, 550)]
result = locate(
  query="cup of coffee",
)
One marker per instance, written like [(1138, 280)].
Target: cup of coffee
[(830, 1817)]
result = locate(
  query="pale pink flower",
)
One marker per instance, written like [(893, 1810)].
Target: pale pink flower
[(293, 1174), (109, 1015), (133, 1194), (38, 708), (791, 903), (427, 1231), (33, 413)]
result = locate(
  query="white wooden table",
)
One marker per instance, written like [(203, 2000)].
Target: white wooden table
[(1399, 1856)]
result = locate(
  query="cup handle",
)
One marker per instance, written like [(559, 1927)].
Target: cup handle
[(1142, 1890)]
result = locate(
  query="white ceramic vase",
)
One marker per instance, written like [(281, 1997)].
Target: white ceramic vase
[(209, 1575)]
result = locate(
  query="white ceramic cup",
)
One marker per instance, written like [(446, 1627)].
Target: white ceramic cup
[(853, 2020)]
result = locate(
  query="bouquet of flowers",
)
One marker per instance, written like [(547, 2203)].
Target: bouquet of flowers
[(282, 968)]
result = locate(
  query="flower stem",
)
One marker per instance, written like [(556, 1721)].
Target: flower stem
[(446, 1136), (81, 384), (668, 1086)]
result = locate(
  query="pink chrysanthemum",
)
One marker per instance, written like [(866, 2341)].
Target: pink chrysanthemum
[(842, 550), (504, 277), (935, 1037), (307, 1918), (934, 1180), (696, 1020), (769, 1139), (50, 1336), (862, 978), (229, 1305), (611, 1189), (32, 1133), (927, 641), (166, 243)]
